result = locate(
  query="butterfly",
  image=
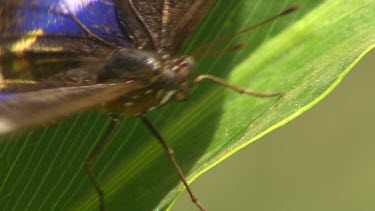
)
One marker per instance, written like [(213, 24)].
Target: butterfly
[(60, 57)]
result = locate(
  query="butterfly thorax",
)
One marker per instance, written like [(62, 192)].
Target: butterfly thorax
[(165, 79)]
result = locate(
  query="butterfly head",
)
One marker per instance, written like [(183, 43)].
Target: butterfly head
[(165, 79), (175, 73)]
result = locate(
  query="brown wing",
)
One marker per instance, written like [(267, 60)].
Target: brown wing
[(161, 24), (31, 109)]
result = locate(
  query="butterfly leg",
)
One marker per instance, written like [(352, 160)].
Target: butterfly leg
[(172, 158), (238, 89), (94, 153)]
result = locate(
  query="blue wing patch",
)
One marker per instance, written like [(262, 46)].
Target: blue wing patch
[(55, 17)]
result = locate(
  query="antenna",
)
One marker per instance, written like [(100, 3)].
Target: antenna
[(231, 36)]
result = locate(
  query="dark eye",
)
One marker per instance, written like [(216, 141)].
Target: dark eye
[(187, 62), (186, 66)]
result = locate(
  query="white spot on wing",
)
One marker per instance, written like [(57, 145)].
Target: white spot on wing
[(149, 91), (128, 104)]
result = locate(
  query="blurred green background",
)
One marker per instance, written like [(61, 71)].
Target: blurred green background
[(323, 160)]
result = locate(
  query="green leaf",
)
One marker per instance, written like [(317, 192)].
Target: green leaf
[(304, 55)]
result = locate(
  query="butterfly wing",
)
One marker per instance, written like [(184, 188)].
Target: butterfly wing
[(55, 19), (34, 108), (40, 38), (161, 24)]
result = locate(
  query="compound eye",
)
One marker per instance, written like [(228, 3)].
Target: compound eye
[(186, 68)]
